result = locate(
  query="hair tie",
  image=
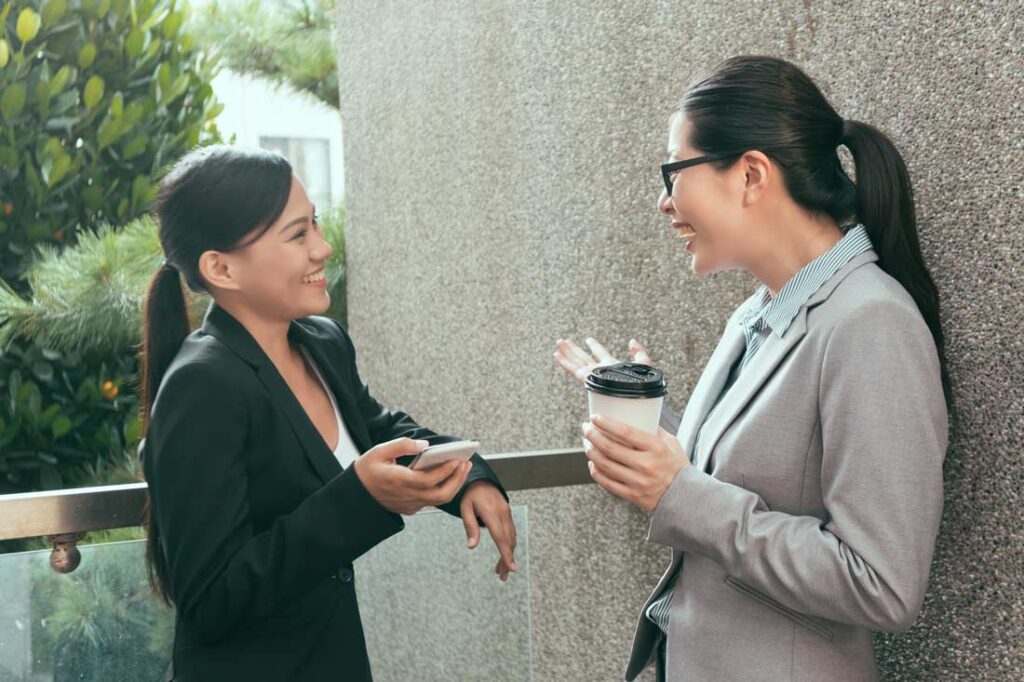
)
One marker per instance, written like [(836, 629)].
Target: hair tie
[(168, 265), (845, 132)]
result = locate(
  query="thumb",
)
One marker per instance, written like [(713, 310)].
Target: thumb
[(471, 524), (399, 447)]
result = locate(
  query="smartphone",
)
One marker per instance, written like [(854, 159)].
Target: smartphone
[(439, 454)]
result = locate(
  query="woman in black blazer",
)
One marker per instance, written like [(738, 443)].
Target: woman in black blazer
[(270, 466)]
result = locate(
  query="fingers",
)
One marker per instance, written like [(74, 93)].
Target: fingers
[(574, 352), (575, 370), (603, 480), (447, 490), (436, 476), (471, 524), (505, 543), (600, 352), (639, 353), (613, 469), (624, 433), (393, 449), (624, 455)]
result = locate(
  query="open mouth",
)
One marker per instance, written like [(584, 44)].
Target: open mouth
[(316, 277), (684, 229)]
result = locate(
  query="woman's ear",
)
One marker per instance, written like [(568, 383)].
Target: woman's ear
[(758, 174), (217, 270)]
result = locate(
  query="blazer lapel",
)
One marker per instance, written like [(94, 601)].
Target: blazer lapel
[(710, 384), (765, 363), (749, 381), (318, 344), (221, 325)]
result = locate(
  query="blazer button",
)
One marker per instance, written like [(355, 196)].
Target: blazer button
[(345, 575)]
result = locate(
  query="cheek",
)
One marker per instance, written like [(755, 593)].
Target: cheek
[(711, 209)]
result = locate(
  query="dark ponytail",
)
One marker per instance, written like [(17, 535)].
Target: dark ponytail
[(217, 198), (768, 104), (166, 326), (885, 206)]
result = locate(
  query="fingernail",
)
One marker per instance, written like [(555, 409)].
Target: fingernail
[(596, 418), (422, 444)]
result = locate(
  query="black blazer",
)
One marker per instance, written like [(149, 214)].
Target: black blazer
[(258, 521)]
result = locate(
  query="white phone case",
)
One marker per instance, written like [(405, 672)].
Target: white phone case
[(439, 454)]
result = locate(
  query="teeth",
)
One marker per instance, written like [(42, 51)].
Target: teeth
[(316, 277)]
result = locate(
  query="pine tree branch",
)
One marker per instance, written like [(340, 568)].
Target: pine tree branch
[(288, 42)]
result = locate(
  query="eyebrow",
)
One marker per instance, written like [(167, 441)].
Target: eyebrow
[(297, 221)]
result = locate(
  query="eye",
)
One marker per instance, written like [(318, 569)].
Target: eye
[(300, 234)]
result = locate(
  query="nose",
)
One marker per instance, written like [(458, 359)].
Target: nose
[(323, 249), (665, 203)]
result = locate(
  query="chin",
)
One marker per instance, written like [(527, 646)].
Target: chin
[(324, 305), (314, 307)]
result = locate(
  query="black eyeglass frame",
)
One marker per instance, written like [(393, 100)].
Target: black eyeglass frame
[(667, 169)]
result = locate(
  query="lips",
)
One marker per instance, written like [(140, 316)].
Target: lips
[(314, 278), (684, 229)]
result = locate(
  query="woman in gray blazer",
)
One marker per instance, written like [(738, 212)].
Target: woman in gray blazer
[(802, 492)]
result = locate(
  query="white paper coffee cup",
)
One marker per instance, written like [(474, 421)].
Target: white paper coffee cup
[(629, 392)]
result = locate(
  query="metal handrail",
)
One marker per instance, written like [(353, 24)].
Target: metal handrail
[(79, 510)]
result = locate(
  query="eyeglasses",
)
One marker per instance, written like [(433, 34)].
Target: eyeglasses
[(670, 169)]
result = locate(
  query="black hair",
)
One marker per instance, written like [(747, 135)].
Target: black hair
[(770, 105), (218, 198)]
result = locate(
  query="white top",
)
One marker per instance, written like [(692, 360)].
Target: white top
[(346, 451)]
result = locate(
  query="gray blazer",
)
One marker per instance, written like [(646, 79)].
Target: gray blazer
[(817, 521)]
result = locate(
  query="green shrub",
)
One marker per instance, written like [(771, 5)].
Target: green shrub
[(96, 97)]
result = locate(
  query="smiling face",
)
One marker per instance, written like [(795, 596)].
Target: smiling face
[(280, 275), (706, 205)]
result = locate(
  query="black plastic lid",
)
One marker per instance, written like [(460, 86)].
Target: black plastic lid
[(627, 380)]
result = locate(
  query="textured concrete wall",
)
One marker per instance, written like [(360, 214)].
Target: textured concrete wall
[(501, 160)]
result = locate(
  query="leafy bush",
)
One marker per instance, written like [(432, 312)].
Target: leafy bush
[(96, 96)]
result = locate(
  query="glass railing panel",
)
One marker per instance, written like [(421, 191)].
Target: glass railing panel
[(432, 610)]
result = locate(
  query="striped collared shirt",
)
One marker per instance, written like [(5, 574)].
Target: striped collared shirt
[(762, 315)]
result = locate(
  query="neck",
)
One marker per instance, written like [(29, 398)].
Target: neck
[(785, 246), (271, 335)]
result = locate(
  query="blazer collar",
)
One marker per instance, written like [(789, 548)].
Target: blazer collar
[(702, 408), (220, 324)]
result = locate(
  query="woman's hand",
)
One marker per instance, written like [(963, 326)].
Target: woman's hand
[(579, 364), (402, 490), (482, 501), (630, 463)]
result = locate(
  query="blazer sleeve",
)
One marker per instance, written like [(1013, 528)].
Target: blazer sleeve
[(385, 425), (884, 432), (221, 571)]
